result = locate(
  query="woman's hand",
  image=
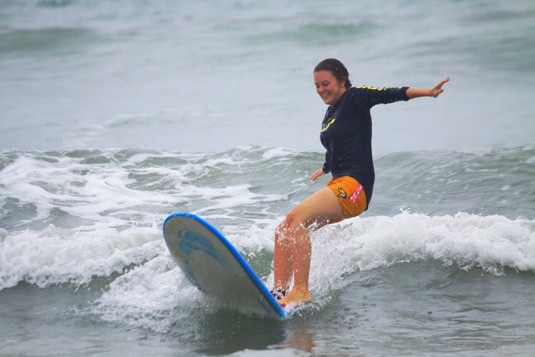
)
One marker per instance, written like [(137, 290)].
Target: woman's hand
[(433, 92), (437, 90), (317, 174)]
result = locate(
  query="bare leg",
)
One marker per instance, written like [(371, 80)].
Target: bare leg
[(292, 242), (301, 254), (282, 262)]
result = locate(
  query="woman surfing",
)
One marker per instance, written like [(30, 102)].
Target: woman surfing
[(346, 135)]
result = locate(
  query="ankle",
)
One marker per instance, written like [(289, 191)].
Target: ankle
[(302, 290)]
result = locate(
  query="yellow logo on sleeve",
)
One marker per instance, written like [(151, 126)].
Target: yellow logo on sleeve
[(374, 88)]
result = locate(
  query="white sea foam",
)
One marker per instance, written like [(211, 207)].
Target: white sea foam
[(113, 191), (156, 294), (80, 216), (233, 196), (83, 191), (56, 255), (278, 153), (467, 241)]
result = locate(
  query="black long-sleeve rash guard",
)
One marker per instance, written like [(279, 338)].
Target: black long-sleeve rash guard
[(347, 133)]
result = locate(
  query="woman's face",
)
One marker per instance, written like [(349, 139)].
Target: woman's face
[(328, 87)]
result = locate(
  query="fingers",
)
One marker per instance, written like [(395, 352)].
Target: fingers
[(438, 88), (315, 175), (444, 81)]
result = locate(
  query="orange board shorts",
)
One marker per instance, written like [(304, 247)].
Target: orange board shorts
[(350, 194)]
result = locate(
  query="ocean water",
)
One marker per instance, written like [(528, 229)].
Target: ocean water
[(116, 114)]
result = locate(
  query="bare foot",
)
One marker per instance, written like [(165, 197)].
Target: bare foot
[(295, 296)]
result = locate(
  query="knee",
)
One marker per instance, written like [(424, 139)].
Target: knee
[(292, 222), (291, 219)]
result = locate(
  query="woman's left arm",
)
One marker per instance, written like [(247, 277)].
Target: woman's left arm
[(426, 92)]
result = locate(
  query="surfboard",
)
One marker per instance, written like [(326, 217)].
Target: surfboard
[(214, 266)]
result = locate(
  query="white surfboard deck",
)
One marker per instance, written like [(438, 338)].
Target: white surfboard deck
[(214, 266)]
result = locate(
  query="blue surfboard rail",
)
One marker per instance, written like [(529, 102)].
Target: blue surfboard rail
[(239, 258)]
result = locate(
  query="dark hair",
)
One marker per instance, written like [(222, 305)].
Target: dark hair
[(337, 69)]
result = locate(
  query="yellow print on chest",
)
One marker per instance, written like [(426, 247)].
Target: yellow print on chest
[(328, 124)]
